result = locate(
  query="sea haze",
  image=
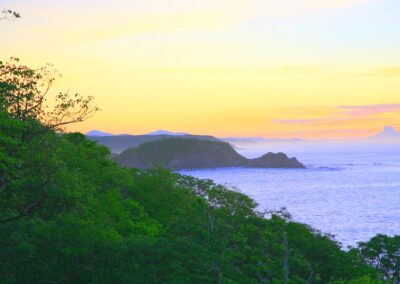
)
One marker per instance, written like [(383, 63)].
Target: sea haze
[(349, 190)]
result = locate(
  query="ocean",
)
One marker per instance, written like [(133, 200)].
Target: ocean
[(349, 190)]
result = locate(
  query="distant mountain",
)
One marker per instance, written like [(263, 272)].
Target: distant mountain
[(119, 143), (178, 153), (98, 133), (388, 134), (166, 132)]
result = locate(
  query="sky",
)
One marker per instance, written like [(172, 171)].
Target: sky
[(316, 69)]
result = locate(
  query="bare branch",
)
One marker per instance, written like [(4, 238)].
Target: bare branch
[(9, 15)]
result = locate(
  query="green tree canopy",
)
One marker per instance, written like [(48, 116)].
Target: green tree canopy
[(24, 95), (69, 214)]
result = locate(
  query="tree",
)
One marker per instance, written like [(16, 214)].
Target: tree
[(23, 94), (68, 214), (383, 253), (9, 15)]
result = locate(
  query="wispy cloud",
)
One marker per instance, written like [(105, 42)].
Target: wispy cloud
[(341, 133), (357, 111), (285, 70), (347, 115), (193, 70), (387, 72), (282, 70), (327, 131), (329, 121), (300, 121), (303, 70)]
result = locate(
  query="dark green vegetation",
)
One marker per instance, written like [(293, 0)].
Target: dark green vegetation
[(119, 143), (68, 214), (178, 153), (71, 215), (383, 253)]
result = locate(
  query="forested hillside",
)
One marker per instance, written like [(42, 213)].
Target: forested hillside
[(68, 214), (179, 153)]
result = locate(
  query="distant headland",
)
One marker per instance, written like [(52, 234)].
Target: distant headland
[(185, 153)]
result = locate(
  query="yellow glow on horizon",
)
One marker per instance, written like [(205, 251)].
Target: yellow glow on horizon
[(226, 68)]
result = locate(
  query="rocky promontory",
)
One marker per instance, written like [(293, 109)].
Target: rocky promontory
[(177, 153)]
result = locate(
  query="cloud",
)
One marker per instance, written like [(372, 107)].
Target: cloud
[(299, 121), (193, 70), (287, 70), (346, 115), (329, 121), (367, 110), (389, 72), (327, 131), (297, 70), (343, 133)]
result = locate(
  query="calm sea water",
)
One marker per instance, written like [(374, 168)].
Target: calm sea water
[(350, 191)]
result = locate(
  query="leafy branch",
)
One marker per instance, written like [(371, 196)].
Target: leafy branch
[(24, 91), (9, 15)]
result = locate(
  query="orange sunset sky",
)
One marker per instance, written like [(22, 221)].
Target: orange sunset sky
[(272, 68)]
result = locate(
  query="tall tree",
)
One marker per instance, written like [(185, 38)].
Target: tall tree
[(24, 91)]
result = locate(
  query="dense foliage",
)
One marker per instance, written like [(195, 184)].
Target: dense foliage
[(180, 153), (68, 214), (24, 95), (193, 153)]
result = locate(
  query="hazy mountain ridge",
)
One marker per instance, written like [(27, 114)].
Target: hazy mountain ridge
[(98, 133), (177, 153), (166, 132), (119, 143)]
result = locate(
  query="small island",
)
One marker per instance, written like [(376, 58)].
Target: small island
[(178, 153)]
